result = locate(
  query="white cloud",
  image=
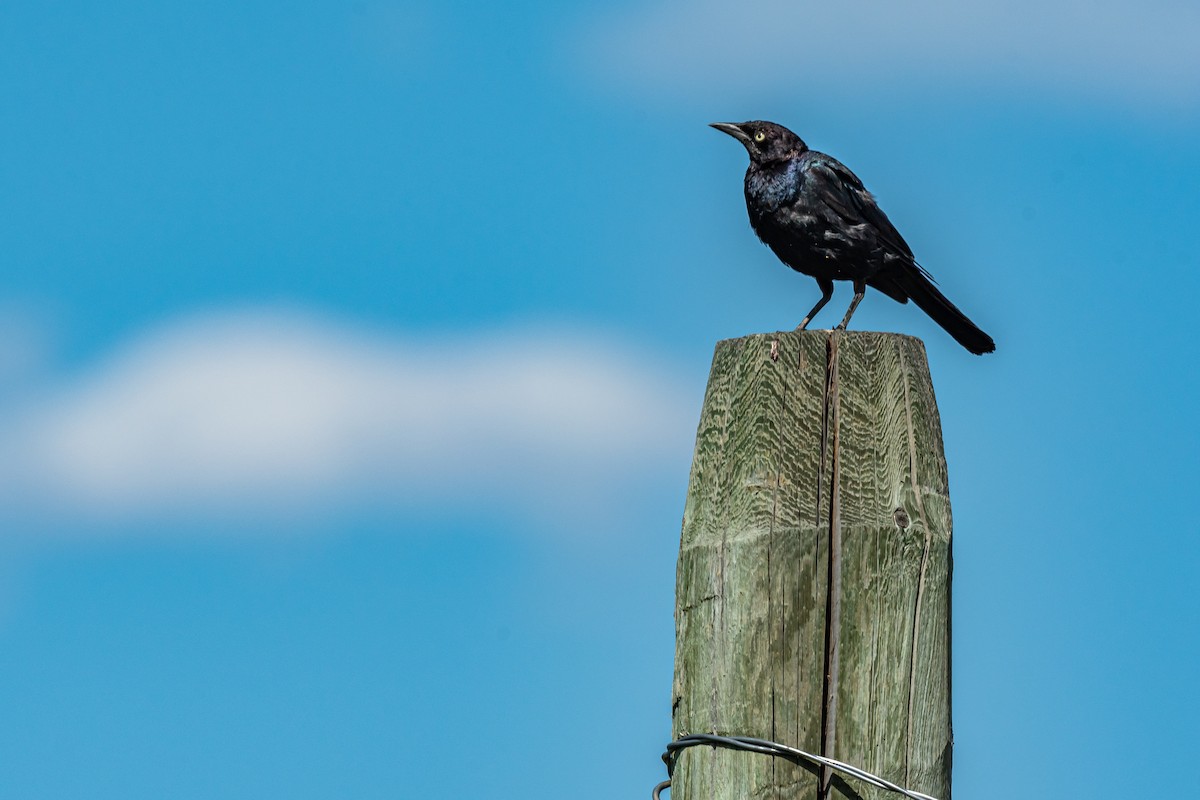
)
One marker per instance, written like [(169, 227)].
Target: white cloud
[(267, 411), (1143, 50)]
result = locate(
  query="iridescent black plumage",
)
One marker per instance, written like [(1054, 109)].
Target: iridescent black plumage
[(816, 215)]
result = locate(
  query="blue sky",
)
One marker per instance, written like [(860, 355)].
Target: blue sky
[(351, 355)]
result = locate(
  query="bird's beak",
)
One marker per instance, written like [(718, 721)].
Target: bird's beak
[(733, 130)]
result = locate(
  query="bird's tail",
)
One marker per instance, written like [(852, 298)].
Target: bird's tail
[(922, 291)]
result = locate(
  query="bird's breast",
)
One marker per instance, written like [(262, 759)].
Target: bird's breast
[(769, 189)]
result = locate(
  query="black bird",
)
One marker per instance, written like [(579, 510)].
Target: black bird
[(815, 214)]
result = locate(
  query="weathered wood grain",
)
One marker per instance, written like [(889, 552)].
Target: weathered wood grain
[(780, 456)]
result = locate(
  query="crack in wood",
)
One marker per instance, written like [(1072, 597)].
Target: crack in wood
[(833, 597)]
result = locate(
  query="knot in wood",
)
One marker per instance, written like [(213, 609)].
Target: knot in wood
[(901, 517)]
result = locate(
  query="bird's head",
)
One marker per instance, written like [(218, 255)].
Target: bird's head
[(764, 141)]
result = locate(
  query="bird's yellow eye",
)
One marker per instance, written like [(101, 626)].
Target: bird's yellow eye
[(760, 136)]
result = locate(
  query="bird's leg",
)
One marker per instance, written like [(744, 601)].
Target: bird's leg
[(826, 293), (860, 289)]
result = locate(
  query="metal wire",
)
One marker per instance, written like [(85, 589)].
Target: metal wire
[(752, 745)]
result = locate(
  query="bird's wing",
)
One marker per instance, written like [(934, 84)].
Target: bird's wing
[(842, 191)]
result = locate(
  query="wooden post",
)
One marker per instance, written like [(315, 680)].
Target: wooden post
[(803, 434)]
